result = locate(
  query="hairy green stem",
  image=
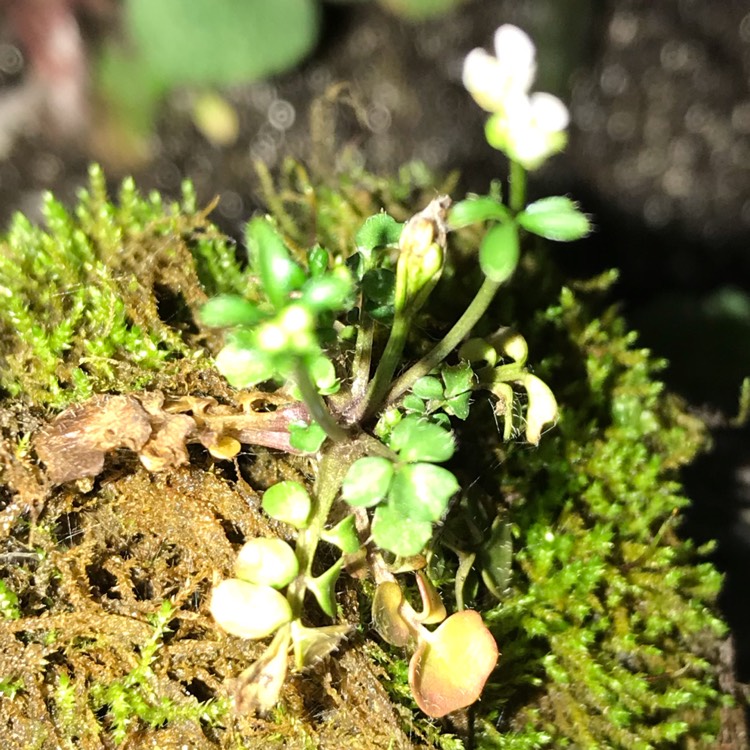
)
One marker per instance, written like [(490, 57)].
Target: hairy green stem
[(361, 368), (450, 341), (315, 404), (388, 363), (517, 187)]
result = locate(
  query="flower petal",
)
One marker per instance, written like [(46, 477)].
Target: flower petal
[(481, 75), (549, 112), (542, 407), (516, 53)]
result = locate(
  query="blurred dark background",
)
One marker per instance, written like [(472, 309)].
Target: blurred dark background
[(659, 153)]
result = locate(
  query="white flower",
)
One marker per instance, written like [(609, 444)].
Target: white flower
[(528, 128), (494, 81), (531, 130)]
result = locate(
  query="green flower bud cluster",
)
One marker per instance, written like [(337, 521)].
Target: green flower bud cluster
[(271, 335)]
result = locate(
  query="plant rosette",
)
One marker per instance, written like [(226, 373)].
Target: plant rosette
[(412, 493)]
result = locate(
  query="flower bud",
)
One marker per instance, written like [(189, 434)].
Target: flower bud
[(511, 344), (542, 407), (388, 617), (478, 350), (420, 263)]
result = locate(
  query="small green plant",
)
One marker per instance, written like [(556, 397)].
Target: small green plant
[(315, 323), (392, 431), (133, 696)]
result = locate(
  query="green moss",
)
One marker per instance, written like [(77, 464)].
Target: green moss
[(609, 628), (105, 296)]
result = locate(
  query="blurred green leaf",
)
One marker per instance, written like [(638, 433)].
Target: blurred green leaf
[(377, 231), (379, 285), (367, 481), (476, 210), (271, 259), (459, 406), (268, 561), (244, 366), (496, 557), (318, 259), (220, 42), (229, 310), (415, 439), (414, 403), (289, 502), (428, 387), (457, 379), (555, 218), (323, 374), (402, 536), (306, 438), (328, 292)]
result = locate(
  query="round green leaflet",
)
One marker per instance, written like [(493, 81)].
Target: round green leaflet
[(327, 293), (421, 492), (555, 218), (268, 561), (428, 387), (402, 536), (272, 260), (416, 439), (500, 251), (367, 481), (244, 367), (289, 502), (476, 210), (220, 41), (229, 310)]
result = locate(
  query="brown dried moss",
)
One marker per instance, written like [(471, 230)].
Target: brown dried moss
[(90, 578)]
